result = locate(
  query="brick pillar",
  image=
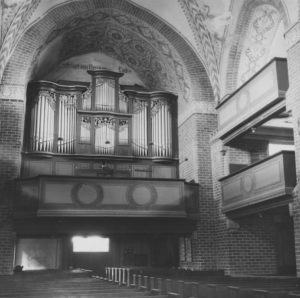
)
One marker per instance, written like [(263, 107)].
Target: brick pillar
[(220, 160), (292, 37), (194, 145), (245, 245), (11, 132)]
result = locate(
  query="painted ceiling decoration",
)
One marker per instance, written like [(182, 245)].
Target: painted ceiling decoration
[(197, 17), (229, 41), (261, 31), (15, 16), (253, 32), (130, 41)]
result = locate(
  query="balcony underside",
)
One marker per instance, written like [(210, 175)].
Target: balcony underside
[(105, 226)]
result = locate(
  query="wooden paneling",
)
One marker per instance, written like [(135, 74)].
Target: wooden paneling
[(263, 90), (84, 196), (39, 167), (64, 168), (261, 182), (163, 172), (97, 167)]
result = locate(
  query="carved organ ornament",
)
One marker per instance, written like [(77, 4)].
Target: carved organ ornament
[(101, 119)]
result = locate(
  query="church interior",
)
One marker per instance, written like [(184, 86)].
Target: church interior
[(160, 134)]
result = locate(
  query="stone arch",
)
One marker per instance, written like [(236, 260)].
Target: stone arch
[(165, 43), (241, 29)]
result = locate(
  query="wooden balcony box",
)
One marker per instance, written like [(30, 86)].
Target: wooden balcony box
[(255, 101), (266, 184), (69, 196)]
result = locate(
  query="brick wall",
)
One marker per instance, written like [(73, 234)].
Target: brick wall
[(194, 136), (11, 129), (252, 247), (247, 151), (219, 170), (244, 246)]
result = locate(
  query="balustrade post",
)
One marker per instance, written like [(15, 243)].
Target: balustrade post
[(203, 291), (116, 275), (112, 274), (261, 293), (139, 281), (146, 283), (123, 276), (128, 277), (180, 288), (161, 286), (188, 289), (233, 291), (109, 273), (120, 276), (212, 291), (169, 285), (134, 280), (152, 283), (194, 290)]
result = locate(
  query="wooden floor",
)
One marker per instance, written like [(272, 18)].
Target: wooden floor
[(77, 283), (62, 285)]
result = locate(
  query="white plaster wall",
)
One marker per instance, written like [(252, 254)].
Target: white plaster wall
[(38, 254)]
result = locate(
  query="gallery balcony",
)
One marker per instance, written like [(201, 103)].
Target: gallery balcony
[(255, 102), (261, 186), (69, 196)]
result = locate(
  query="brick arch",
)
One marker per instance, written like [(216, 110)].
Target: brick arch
[(241, 29), (56, 21)]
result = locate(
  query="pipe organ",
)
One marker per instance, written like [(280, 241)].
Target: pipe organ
[(42, 121), (100, 119)]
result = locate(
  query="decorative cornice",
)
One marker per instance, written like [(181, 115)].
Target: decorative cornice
[(12, 92), (292, 35)]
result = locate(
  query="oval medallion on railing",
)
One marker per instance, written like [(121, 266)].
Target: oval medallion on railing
[(248, 182), (87, 194), (141, 195)]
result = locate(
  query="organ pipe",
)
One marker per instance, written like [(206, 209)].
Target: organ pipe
[(42, 115), (139, 128), (105, 94), (161, 128), (101, 120), (104, 135), (66, 124)]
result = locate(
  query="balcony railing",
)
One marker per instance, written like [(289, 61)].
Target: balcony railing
[(263, 185), (255, 101), (44, 196)]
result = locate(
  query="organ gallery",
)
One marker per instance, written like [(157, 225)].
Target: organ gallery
[(102, 119)]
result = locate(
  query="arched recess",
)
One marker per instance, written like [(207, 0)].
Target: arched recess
[(256, 27), (120, 30)]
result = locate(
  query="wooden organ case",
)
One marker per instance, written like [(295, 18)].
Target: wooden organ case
[(100, 129)]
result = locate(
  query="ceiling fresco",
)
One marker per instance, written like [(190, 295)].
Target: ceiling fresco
[(126, 39), (75, 69), (121, 30), (15, 15), (262, 29)]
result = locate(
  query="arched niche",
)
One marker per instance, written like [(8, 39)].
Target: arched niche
[(143, 44), (259, 27)]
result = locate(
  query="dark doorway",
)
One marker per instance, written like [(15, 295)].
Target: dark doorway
[(285, 244)]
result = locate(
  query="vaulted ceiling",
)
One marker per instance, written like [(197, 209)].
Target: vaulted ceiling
[(199, 49)]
